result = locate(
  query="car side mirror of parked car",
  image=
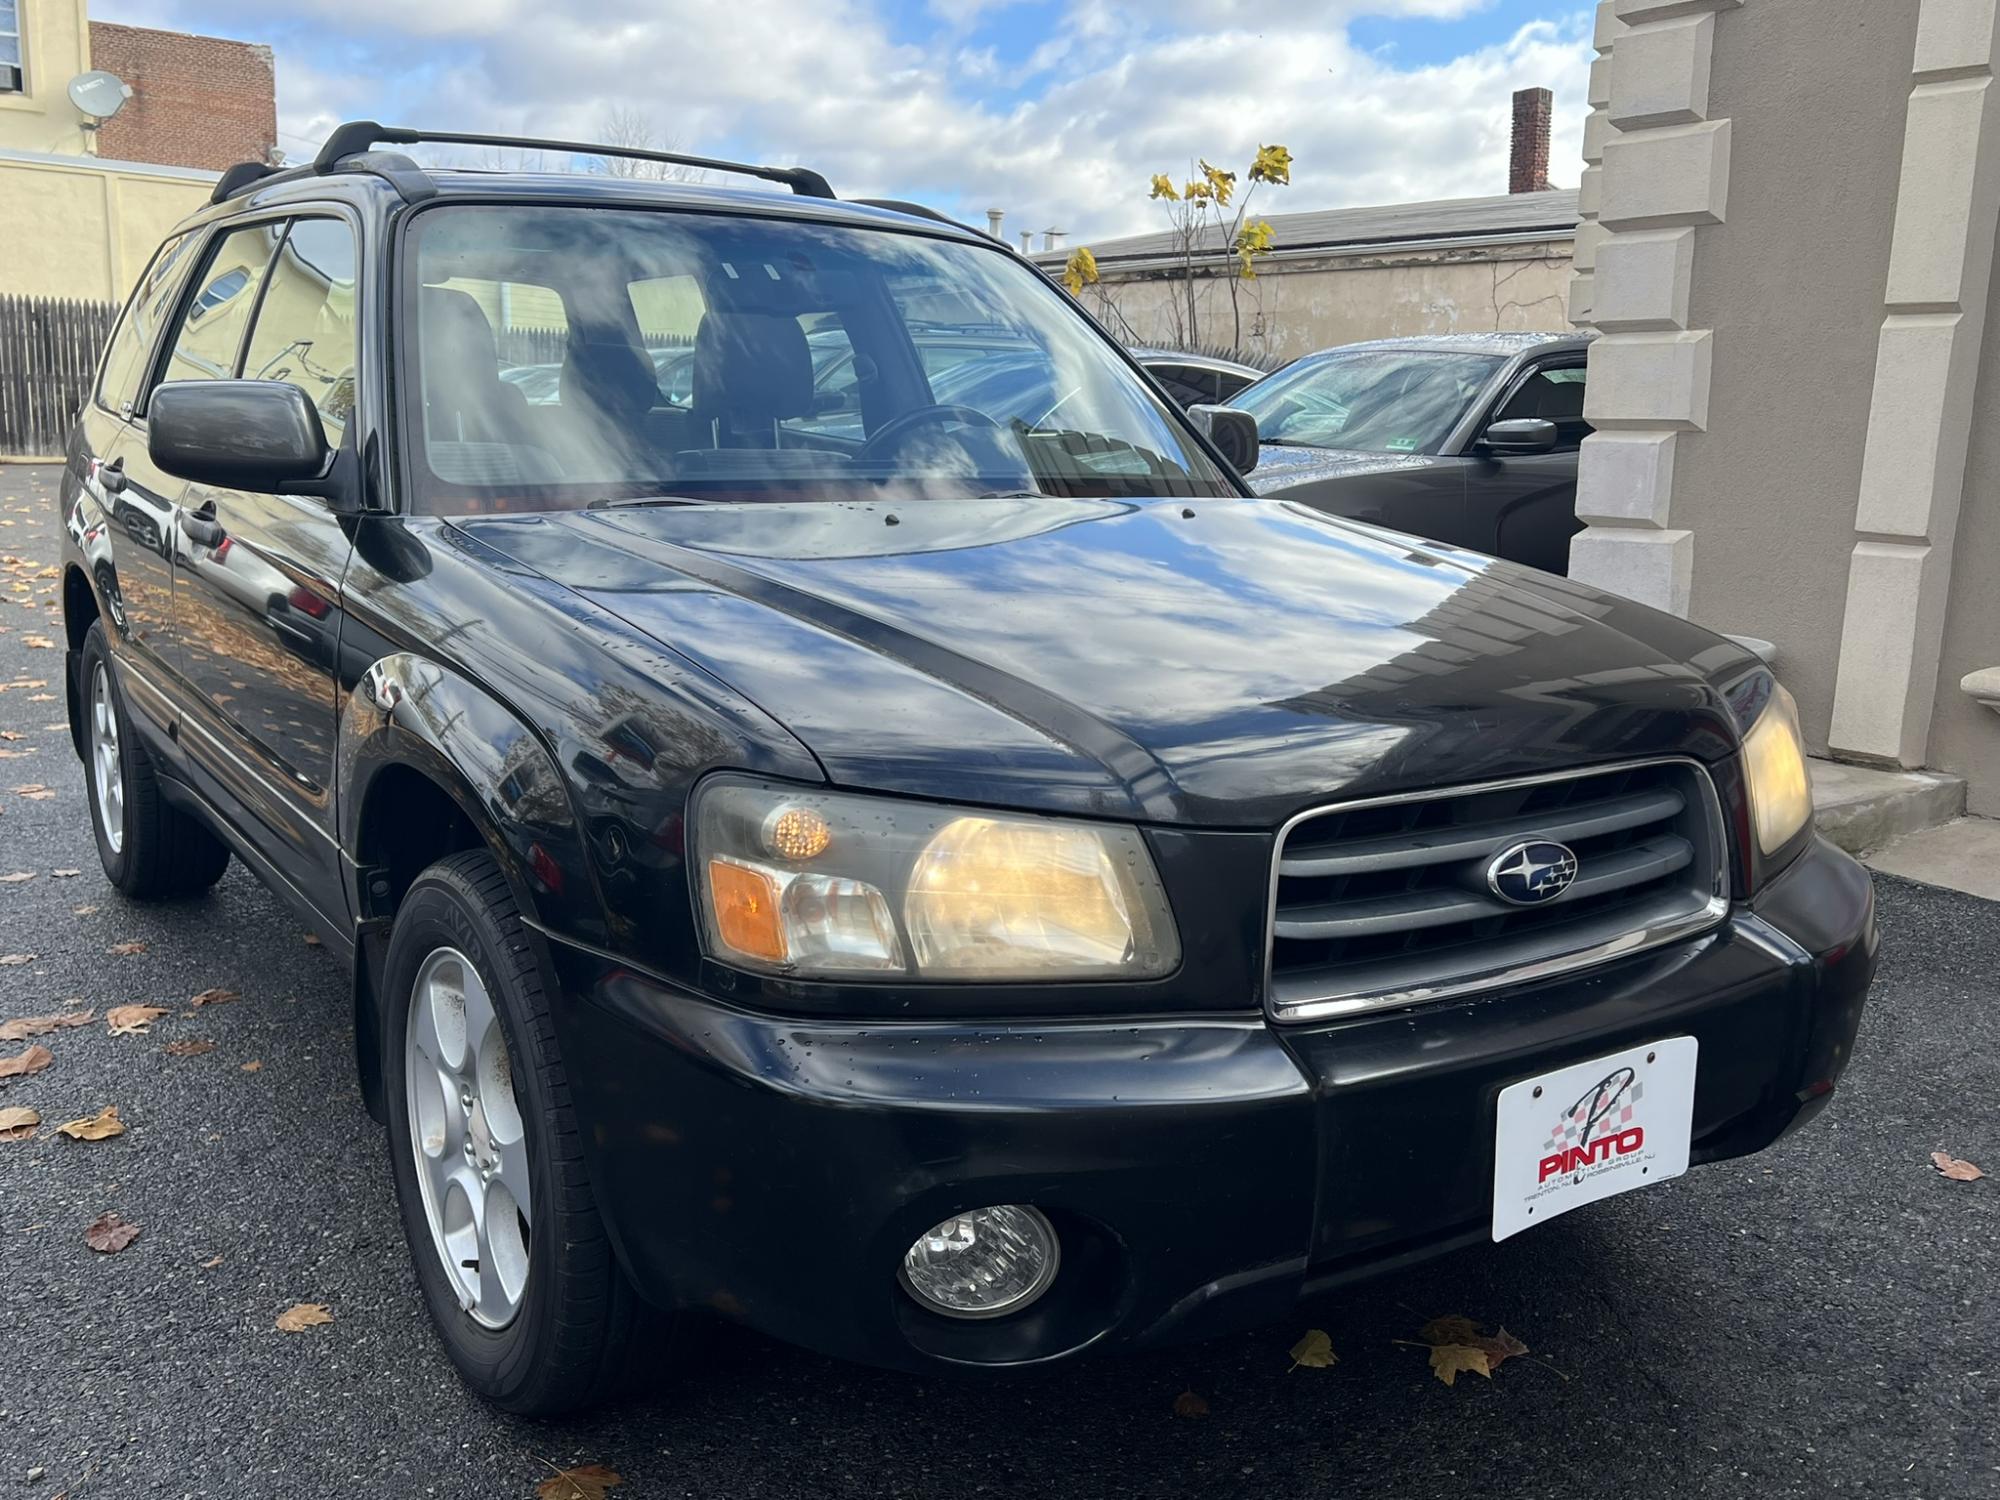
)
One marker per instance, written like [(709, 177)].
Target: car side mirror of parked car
[(1520, 435), (1233, 431), (260, 435)]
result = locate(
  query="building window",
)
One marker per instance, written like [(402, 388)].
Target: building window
[(10, 46)]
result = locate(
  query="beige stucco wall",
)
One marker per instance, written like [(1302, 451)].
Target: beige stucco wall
[(55, 47), (85, 228), (1296, 307), (1965, 737), (1792, 284)]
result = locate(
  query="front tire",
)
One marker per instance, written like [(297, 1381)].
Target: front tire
[(509, 1248), (150, 849)]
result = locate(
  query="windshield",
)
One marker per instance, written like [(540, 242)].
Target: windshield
[(570, 356), (1369, 400)]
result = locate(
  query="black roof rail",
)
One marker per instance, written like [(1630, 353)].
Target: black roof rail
[(239, 177), (357, 136), (904, 206)]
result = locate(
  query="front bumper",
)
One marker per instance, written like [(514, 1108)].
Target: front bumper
[(1204, 1173)]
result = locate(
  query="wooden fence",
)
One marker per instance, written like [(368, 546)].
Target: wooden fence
[(546, 346), (48, 352)]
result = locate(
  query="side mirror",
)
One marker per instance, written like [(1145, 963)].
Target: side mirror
[(1521, 435), (1233, 431), (260, 435)]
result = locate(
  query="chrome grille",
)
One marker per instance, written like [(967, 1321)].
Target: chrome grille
[(1386, 902)]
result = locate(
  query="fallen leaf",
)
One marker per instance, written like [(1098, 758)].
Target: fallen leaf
[(1190, 1406), (11, 735), (304, 1315), (27, 1026), (127, 949), (210, 1265), (39, 642), (1449, 1330), (17, 877), (585, 1482), (65, 874), (101, 1126), (17, 1124), (36, 1058), (1449, 1361), (253, 1066), (83, 911), (1502, 1347), (131, 1020), (216, 997), (312, 941), (188, 1048), (9, 960), (1314, 1351), (110, 1234), (1957, 1170), (43, 698), (34, 791)]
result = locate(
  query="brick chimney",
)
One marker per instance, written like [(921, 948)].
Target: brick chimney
[(1528, 171)]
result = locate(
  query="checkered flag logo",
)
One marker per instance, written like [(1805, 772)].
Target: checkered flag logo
[(1605, 1109)]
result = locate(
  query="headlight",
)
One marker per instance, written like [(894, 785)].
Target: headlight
[(830, 885), (1774, 760)]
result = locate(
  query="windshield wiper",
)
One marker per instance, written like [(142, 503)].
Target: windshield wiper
[(635, 502)]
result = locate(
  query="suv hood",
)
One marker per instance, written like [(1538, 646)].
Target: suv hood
[(1221, 662)]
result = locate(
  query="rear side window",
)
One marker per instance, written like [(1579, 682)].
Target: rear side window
[(304, 333), (210, 333), (125, 355)]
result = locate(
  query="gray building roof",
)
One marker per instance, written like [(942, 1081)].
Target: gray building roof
[(1471, 220)]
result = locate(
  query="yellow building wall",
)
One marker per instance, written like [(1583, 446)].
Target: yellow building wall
[(86, 228), (55, 47)]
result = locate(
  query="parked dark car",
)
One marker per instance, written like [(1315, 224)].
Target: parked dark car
[(1197, 379), (959, 892), (1469, 439)]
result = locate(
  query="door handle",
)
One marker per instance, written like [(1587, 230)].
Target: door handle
[(201, 527), (112, 476)]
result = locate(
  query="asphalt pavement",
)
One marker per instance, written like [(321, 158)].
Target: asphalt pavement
[(1823, 1319)]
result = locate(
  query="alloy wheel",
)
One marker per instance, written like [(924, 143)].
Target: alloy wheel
[(107, 766), (468, 1138)]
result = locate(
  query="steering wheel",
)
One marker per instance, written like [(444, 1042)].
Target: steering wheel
[(891, 434)]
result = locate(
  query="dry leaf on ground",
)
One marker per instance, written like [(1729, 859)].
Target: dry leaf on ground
[(65, 874), (83, 911), (126, 949), (1190, 1406), (304, 1315), (101, 1126), (1314, 1351), (110, 1234), (188, 1048), (210, 1265), (253, 1066), (17, 877), (39, 642), (36, 1058), (132, 1020), (34, 791), (1457, 1347), (26, 1026), (9, 960), (1952, 1167), (312, 941), (584, 1482), (17, 1124), (216, 996)]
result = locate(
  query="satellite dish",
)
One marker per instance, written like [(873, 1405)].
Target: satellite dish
[(99, 94)]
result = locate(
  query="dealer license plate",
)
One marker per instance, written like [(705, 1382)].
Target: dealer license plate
[(1590, 1131)]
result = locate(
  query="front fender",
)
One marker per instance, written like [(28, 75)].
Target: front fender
[(409, 711)]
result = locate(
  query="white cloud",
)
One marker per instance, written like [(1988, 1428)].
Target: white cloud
[(1113, 94)]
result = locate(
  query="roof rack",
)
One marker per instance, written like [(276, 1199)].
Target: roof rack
[(358, 136)]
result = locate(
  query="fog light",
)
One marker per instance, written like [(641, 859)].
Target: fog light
[(983, 1263)]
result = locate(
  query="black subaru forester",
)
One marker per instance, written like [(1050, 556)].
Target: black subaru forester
[(844, 812)]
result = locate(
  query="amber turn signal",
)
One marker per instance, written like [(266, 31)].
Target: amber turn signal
[(745, 902)]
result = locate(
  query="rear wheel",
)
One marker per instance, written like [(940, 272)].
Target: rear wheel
[(149, 848), (510, 1251)]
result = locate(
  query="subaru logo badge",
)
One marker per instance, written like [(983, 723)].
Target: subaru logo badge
[(1533, 873)]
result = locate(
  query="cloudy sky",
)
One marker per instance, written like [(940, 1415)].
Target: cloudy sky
[(1058, 111)]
